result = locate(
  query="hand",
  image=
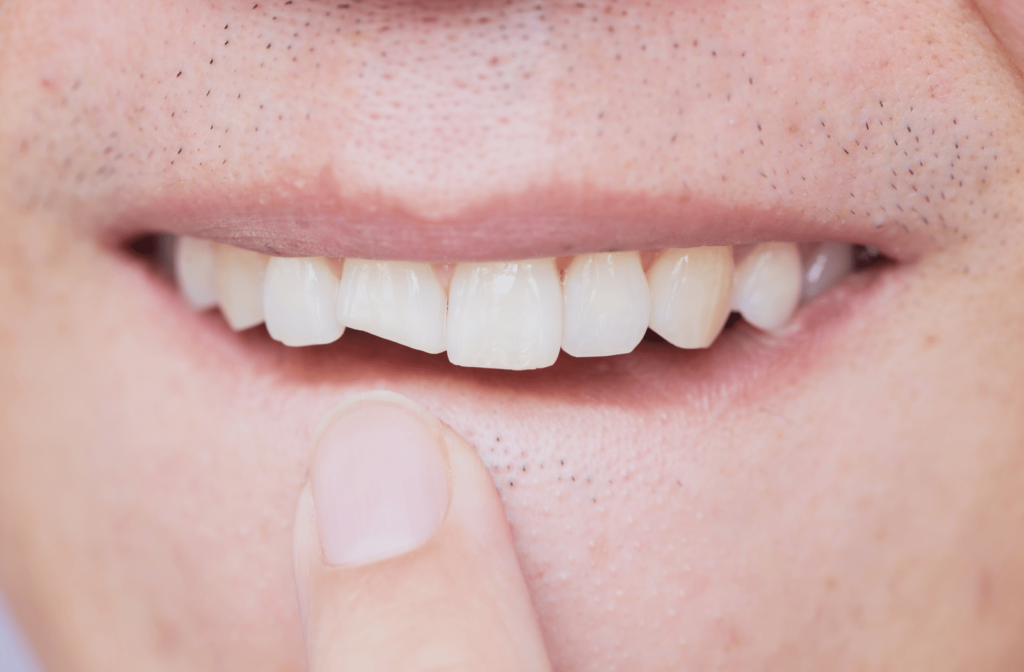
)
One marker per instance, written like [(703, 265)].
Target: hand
[(403, 555)]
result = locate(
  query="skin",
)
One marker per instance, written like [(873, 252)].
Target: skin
[(845, 495)]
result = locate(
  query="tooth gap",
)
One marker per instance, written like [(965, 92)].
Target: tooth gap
[(733, 318), (651, 336)]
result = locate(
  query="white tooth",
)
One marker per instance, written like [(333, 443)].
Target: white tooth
[(830, 263), (767, 285), (607, 304), (690, 294), (240, 286), (195, 268), (505, 315), (299, 298), (397, 300)]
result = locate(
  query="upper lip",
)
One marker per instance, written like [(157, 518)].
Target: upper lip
[(545, 222)]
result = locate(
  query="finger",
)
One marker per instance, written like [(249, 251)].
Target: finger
[(403, 556)]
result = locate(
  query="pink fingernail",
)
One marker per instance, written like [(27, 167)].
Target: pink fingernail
[(379, 478)]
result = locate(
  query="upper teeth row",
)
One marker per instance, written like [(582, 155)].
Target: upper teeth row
[(508, 315)]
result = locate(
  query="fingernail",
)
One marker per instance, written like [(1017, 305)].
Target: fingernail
[(379, 478)]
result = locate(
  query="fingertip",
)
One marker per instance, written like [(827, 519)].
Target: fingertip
[(441, 587)]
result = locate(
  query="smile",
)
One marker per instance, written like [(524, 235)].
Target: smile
[(513, 315)]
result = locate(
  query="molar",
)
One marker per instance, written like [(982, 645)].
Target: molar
[(299, 297), (505, 315), (195, 269), (607, 304), (690, 294), (768, 284), (827, 265), (240, 276), (400, 301)]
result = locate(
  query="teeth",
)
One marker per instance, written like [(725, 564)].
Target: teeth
[(195, 268), (767, 285), (240, 286), (830, 263), (607, 304), (690, 294), (299, 299), (505, 315), (400, 301), (510, 315)]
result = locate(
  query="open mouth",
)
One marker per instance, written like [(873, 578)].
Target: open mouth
[(706, 318), (515, 315)]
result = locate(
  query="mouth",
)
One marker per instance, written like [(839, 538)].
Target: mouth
[(715, 317), (514, 315)]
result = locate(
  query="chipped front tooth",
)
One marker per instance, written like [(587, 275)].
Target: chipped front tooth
[(607, 304), (505, 315), (299, 298), (240, 286), (195, 269), (400, 301), (767, 285), (690, 294), (828, 264)]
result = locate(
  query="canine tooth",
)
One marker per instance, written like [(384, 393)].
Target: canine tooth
[(830, 263), (195, 269), (607, 304), (690, 294), (767, 285), (240, 286), (505, 315), (400, 301), (299, 297)]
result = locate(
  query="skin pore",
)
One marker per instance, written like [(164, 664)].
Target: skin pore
[(844, 495)]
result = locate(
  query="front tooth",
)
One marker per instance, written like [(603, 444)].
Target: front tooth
[(830, 263), (607, 304), (195, 269), (505, 315), (299, 299), (240, 286), (768, 284), (400, 301), (690, 294)]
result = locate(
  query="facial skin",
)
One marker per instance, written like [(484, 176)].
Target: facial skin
[(846, 495)]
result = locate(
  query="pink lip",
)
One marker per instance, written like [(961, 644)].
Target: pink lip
[(545, 222)]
